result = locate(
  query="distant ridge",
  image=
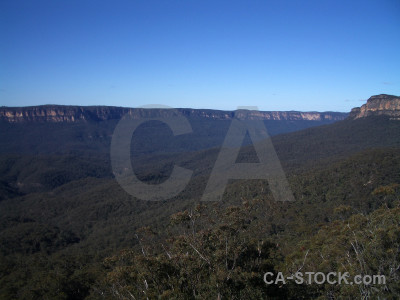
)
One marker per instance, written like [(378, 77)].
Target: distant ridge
[(63, 113), (383, 104)]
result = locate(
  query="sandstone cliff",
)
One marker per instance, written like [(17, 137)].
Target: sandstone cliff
[(60, 113), (383, 104)]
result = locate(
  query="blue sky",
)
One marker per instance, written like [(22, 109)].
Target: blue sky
[(277, 55)]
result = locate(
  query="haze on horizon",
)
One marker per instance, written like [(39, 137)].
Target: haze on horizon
[(281, 55)]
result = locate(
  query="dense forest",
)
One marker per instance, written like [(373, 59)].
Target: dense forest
[(69, 231)]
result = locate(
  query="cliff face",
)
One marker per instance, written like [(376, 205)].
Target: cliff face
[(60, 113), (291, 115), (383, 104)]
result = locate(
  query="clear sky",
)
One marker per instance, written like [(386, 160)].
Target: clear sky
[(277, 55)]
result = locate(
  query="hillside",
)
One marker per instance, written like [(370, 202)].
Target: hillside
[(65, 219)]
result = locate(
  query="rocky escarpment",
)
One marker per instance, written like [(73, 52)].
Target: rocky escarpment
[(60, 113), (290, 115), (383, 104)]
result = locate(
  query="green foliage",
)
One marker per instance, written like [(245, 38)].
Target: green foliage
[(222, 261), (64, 221), (361, 245)]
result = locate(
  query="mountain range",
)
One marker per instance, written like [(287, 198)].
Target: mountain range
[(61, 113)]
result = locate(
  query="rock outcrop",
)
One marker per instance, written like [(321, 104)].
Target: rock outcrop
[(383, 104), (61, 113)]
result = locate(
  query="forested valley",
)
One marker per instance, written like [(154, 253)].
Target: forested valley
[(69, 231)]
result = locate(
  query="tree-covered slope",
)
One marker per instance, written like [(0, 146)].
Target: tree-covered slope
[(63, 213)]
